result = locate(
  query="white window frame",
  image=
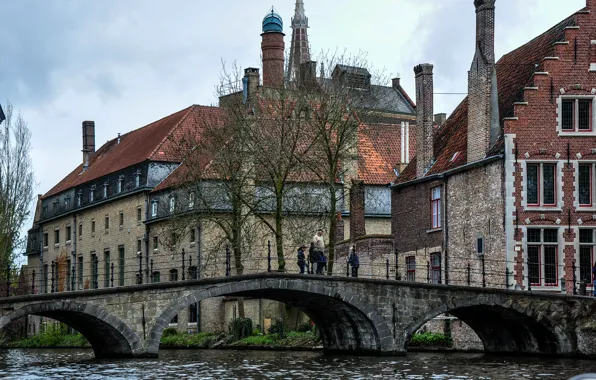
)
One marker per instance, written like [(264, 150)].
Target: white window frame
[(119, 185), (574, 132), (435, 216), (154, 206), (191, 200), (105, 190), (558, 186), (172, 207)]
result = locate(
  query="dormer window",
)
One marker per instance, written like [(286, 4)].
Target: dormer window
[(137, 179), (55, 207), (575, 114), (67, 202), (154, 205), (172, 204), (191, 200), (119, 185), (105, 190), (92, 194), (79, 198), (45, 211)]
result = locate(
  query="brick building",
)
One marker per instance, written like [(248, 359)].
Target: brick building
[(505, 185), (105, 223)]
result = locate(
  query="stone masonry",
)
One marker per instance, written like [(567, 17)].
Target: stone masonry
[(129, 321)]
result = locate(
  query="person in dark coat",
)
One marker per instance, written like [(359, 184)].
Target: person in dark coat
[(594, 279), (354, 262), (311, 259), (301, 258)]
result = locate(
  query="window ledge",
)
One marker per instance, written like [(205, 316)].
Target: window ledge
[(585, 208), (67, 242), (543, 209), (434, 230), (192, 243), (576, 134), (57, 245), (45, 248)]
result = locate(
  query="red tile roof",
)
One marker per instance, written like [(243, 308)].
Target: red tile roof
[(379, 153), (154, 142), (514, 72)]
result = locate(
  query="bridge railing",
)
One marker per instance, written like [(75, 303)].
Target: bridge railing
[(543, 273)]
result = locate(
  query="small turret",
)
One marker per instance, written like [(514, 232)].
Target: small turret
[(272, 49)]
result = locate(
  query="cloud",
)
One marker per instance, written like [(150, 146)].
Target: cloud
[(127, 63)]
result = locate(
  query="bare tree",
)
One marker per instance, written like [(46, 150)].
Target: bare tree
[(342, 102), (16, 182)]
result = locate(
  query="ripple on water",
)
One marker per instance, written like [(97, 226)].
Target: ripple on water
[(206, 364)]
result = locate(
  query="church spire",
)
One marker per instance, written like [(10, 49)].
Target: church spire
[(299, 48)]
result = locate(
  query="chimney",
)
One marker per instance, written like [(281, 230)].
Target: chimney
[(395, 83), (250, 82), (424, 118), (483, 104), (440, 119), (272, 50), (357, 221), (88, 142), (308, 73)]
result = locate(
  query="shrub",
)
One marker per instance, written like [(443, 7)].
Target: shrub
[(304, 327), (170, 331), (241, 328), (279, 328), (430, 339)]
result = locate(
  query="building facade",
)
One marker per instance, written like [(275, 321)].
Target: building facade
[(504, 198), (109, 222)]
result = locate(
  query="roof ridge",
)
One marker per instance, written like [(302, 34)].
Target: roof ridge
[(562, 22), (160, 144)]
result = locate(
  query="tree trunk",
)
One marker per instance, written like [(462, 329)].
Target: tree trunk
[(279, 239), (332, 229)]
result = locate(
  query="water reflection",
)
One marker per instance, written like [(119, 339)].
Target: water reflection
[(226, 364)]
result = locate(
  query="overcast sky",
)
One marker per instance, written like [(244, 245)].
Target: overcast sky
[(127, 63)]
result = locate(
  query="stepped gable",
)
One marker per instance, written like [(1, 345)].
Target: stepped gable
[(515, 71), (154, 142)]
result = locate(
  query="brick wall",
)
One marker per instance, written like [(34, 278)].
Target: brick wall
[(424, 117), (534, 135), (411, 217)]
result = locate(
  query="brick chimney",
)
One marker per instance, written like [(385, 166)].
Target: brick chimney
[(440, 119), (424, 118), (483, 117), (250, 82), (88, 142), (395, 83), (357, 221), (272, 50)]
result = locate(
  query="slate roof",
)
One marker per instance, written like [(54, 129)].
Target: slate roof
[(515, 70), (154, 142)]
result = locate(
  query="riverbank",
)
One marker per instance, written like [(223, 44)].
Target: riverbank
[(171, 339)]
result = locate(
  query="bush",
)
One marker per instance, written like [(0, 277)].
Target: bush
[(169, 332), (256, 332), (279, 328), (304, 327), (430, 339), (241, 328)]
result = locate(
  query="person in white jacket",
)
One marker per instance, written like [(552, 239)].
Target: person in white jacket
[(319, 247)]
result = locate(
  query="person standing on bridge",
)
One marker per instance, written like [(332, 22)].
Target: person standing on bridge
[(301, 258), (319, 247), (354, 261), (594, 279)]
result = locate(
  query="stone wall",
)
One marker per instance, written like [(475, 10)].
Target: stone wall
[(475, 210)]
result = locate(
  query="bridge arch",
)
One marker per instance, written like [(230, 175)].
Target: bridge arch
[(107, 334), (347, 321), (504, 327)]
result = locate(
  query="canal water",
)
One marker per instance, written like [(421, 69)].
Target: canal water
[(228, 364)]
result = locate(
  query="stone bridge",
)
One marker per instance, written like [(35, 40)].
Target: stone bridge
[(354, 315)]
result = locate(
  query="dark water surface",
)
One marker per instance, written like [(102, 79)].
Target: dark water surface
[(228, 364)]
